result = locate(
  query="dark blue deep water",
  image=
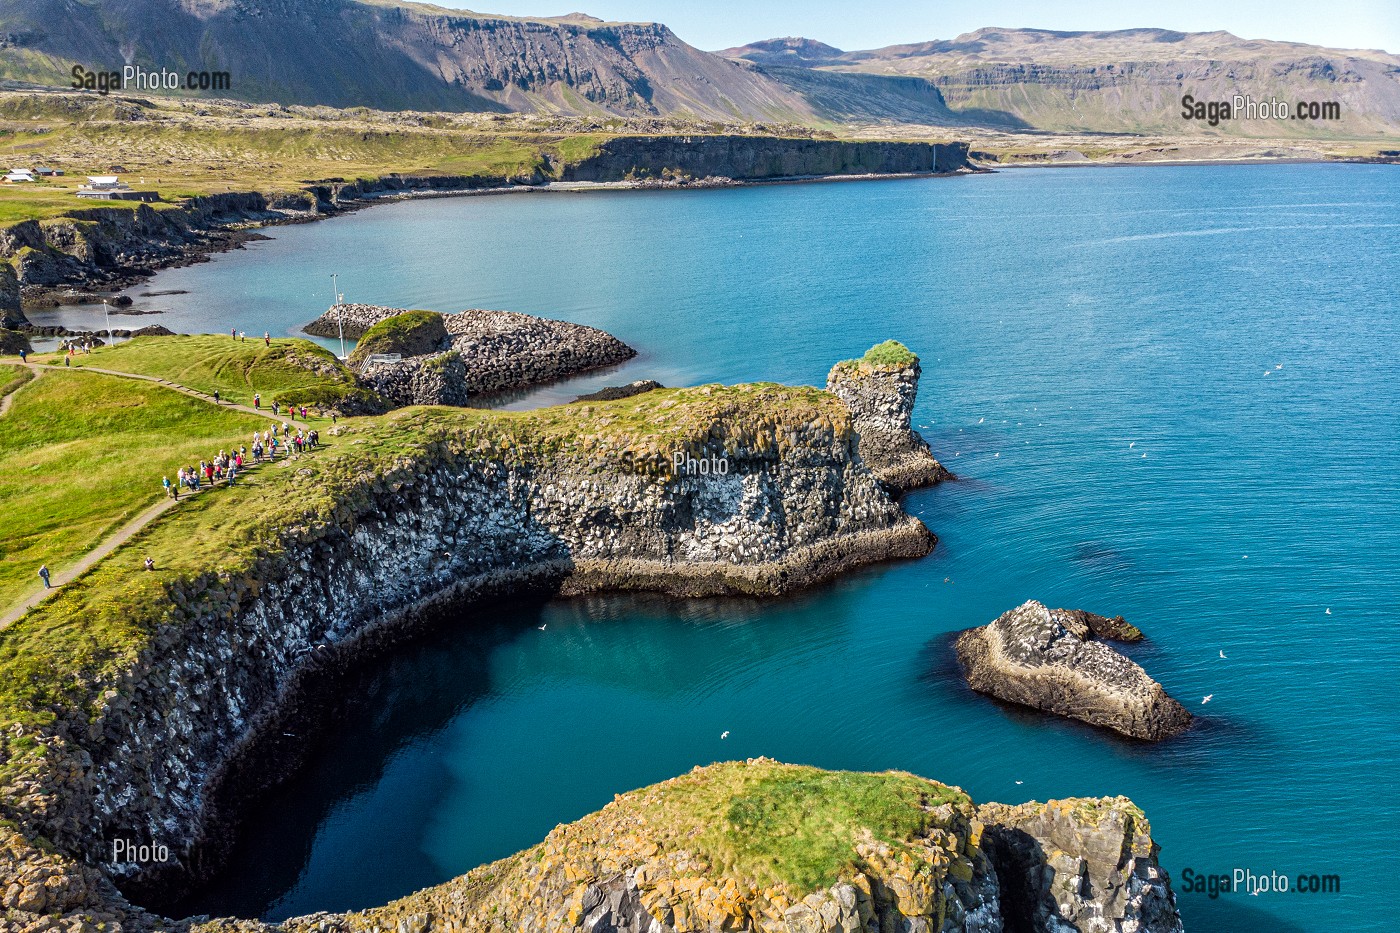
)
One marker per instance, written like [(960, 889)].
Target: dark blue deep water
[(1171, 393)]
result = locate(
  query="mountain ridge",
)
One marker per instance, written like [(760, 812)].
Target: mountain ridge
[(395, 56), (1128, 80)]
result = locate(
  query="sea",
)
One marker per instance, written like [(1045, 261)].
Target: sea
[(1168, 392)]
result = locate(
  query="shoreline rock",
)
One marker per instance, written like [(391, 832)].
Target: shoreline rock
[(1047, 659), (613, 393)]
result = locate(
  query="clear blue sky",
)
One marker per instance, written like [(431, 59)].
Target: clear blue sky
[(864, 24)]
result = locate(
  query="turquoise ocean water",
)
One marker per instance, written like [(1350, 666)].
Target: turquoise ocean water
[(1171, 393)]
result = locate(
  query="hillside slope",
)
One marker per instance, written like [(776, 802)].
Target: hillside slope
[(1126, 81), (391, 56)]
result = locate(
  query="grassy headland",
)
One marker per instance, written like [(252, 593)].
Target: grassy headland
[(182, 148), (790, 825), (289, 371), (80, 453)]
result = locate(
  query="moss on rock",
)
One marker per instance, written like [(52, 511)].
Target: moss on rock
[(412, 333)]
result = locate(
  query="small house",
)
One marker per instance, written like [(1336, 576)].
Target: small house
[(112, 188), (19, 175)]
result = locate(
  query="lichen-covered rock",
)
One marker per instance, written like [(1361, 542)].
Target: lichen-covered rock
[(1085, 865), (1047, 659), (880, 389)]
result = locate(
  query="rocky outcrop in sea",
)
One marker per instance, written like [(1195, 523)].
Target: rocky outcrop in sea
[(613, 393), (1048, 659), (480, 352), (880, 389)]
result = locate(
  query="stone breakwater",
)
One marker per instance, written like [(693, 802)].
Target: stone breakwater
[(1047, 659), (149, 756), (352, 319), (881, 398), (482, 352), (645, 864)]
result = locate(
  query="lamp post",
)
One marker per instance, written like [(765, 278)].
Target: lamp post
[(108, 318), (339, 314)]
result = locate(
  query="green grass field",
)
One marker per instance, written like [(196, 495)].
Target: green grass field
[(288, 370), (82, 453), (791, 825)]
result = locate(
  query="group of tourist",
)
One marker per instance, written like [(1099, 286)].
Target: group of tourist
[(223, 468), (228, 464), (268, 443), (292, 410)]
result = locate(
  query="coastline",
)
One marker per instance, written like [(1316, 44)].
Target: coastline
[(213, 224), (177, 742)]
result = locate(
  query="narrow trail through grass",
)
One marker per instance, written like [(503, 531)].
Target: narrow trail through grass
[(82, 456)]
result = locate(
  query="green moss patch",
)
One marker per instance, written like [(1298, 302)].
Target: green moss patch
[(412, 333), (768, 823)]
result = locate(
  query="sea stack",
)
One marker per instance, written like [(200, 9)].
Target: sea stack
[(1048, 659), (879, 389)]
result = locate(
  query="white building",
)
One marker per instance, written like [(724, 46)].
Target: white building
[(20, 174)]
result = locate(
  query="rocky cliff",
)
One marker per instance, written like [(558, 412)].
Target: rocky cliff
[(568, 500), (880, 389), (1047, 659), (109, 246), (756, 157)]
